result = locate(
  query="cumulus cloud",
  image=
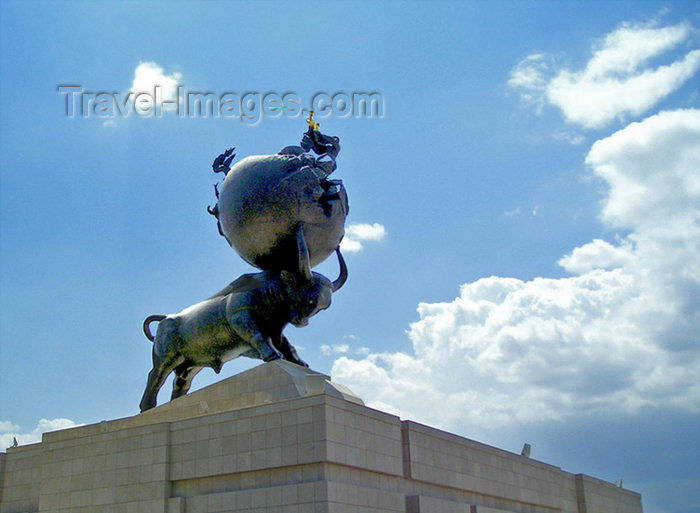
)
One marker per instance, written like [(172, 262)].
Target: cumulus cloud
[(150, 78), (358, 233), (618, 336), (10, 431), (616, 81)]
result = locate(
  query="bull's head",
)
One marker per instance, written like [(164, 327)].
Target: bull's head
[(311, 292)]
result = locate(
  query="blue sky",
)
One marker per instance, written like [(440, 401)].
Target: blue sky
[(526, 265)]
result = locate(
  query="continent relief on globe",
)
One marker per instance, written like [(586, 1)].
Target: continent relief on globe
[(265, 199)]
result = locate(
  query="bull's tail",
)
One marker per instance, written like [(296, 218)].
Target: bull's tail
[(147, 324)]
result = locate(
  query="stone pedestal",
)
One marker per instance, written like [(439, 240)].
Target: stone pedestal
[(280, 438)]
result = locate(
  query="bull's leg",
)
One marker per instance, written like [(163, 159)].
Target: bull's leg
[(264, 348), (155, 380), (247, 330), (288, 351), (183, 379), (148, 400), (165, 360)]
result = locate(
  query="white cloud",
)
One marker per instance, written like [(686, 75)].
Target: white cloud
[(334, 349), (7, 426), (648, 167), (530, 76), (10, 431), (615, 82), (598, 254), (150, 78), (357, 233), (572, 138), (619, 336)]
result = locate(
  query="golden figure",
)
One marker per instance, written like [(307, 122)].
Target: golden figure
[(310, 121)]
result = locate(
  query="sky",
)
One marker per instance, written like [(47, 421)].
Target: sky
[(524, 230)]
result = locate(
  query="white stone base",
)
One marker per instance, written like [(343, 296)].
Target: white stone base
[(280, 438)]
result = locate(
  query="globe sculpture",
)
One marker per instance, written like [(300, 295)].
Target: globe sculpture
[(266, 199)]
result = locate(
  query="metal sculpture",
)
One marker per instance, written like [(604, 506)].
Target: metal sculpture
[(282, 214)]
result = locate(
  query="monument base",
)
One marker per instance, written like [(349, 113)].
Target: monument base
[(281, 438)]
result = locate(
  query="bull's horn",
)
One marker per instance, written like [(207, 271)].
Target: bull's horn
[(304, 263), (343, 271)]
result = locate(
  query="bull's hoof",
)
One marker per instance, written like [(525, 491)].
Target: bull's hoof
[(294, 358), (271, 357), (301, 362), (144, 406)]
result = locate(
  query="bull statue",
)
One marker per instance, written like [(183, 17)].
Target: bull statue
[(244, 319)]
